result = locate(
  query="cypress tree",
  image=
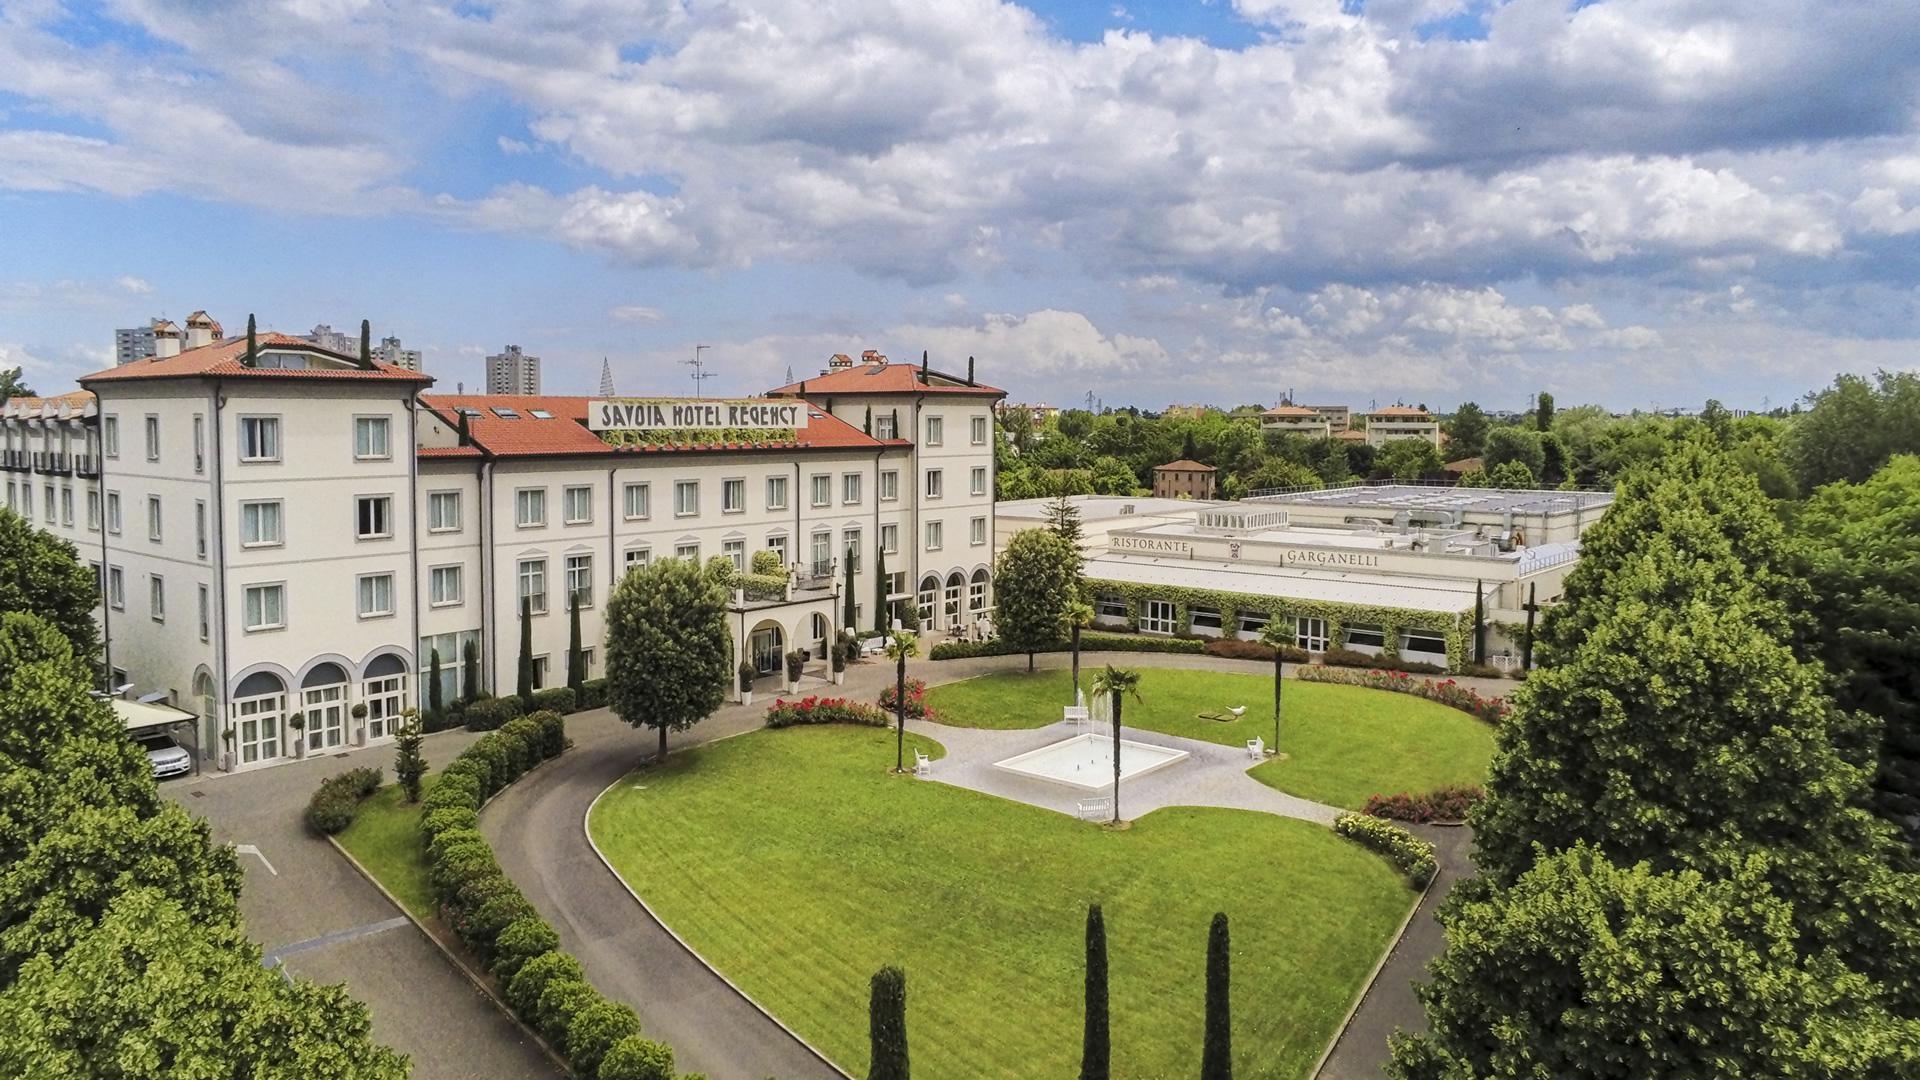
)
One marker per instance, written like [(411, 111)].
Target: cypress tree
[(435, 698), (525, 687), (253, 344), (868, 426), (470, 669), (1479, 624), (1216, 1059), (851, 614), (366, 344), (1095, 1047), (576, 659), (887, 1025), (879, 589)]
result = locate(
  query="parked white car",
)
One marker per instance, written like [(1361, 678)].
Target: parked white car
[(167, 757)]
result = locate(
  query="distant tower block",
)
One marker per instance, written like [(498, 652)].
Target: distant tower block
[(606, 378)]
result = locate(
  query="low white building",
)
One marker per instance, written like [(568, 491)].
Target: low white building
[(294, 532), (1401, 422)]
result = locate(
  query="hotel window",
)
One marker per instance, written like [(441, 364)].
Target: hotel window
[(638, 501), (529, 508), (51, 512), (689, 552), (686, 498), (1310, 633), (777, 544), (376, 596), (576, 504), (776, 493), (260, 524), (259, 438), (1110, 607), (978, 429), (110, 435), (13, 497), (1422, 641), (850, 489), (93, 508), (1158, 618), (579, 570), (199, 443), (265, 607), (370, 438), (1366, 636), (443, 511), (977, 480), (66, 506), (206, 614), (885, 427), (373, 517), (157, 597), (200, 527), (822, 553), (850, 546), (586, 663), (443, 586), (638, 557), (890, 539), (116, 588), (1253, 622), (113, 512), (736, 553), (540, 672), (153, 437), (153, 514), (1204, 618), (889, 486), (733, 496), (977, 531), (934, 486), (533, 585), (933, 535), (822, 485), (936, 430)]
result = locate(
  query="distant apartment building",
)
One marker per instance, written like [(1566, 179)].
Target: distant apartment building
[(388, 351), (1296, 420), (1401, 422), (132, 343), (1338, 417), (1183, 479), (512, 371), (1035, 414)]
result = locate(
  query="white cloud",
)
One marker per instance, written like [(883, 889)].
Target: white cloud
[(636, 313), (137, 286)]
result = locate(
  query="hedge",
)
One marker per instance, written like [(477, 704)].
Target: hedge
[(962, 650), (559, 699), (1411, 854), (545, 986), (489, 714), (1444, 691), (336, 802), (1447, 804), (819, 710), (1238, 649), (593, 694)]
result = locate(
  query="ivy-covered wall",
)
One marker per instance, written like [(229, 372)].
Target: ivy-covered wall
[(1454, 627), (701, 437)]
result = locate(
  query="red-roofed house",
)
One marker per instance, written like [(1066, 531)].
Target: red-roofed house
[(1401, 422)]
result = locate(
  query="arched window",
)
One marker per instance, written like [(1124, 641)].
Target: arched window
[(259, 707)]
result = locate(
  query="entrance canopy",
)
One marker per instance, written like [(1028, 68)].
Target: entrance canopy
[(141, 715)]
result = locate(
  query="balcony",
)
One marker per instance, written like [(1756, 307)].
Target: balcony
[(14, 460), (56, 464), (86, 466)]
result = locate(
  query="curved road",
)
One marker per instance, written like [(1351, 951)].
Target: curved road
[(537, 831)]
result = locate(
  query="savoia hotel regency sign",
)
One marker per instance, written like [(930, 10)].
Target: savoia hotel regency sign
[(633, 414)]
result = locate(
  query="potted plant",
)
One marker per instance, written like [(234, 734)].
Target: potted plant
[(226, 755), (298, 722), (795, 661), (359, 714), (746, 683), (838, 652)]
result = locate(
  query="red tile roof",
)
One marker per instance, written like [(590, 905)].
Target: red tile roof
[(1185, 465), (222, 358), (866, 378), (1291, 410), (1400, 410), (449, 452), (76, 398), (566, 433), (1351, 435)]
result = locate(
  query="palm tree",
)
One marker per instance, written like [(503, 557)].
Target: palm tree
[(1278, 635), (903, 644), (1078, 614), (1119, 683)]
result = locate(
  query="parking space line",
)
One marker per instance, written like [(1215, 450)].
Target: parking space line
[(275, 957)]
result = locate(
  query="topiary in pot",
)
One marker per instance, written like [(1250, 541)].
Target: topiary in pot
[(795, 661)]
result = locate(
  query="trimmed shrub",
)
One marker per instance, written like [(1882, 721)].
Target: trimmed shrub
[(524, 989), (527, 732), (451, 817), (1411, 854), (594, 1031), (1444, 691), (819, 710), (962, 650), (475, 892), (553, 733), (1236, 649), (481, 929), (560, 1002), (459, 864), (491, 762), (638, 1058), (336, 802), (488, 714), (522, 940), (560, 699), (451, 793), (916, 699), (1448, 804), (438, 846), (593, 694)]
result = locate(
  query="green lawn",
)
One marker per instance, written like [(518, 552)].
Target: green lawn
[(1343, 743), (795, 864), (386, 840)]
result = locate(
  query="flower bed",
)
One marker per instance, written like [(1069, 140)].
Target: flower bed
[(1447, 804), (819, 710), (1411, 854), (916, 700), (1445, 691)]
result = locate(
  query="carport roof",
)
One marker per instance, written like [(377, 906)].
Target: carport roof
[(140, 714)]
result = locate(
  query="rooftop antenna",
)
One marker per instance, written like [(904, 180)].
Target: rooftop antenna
[(606, 378), (1090, 401), (700, 373)]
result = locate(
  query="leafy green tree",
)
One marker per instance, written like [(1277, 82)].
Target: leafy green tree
[(409, 763), (1543, 412), (668, 647), (887, 1025), (1117, 684), (1554, 466), (1329, 460), (524, 683), (1408, 459), (42, 574), (1282, 474), (576, 657), (1854, 426), (13, 384), (1861, 543), (1216, 1055), (1510, 474), (1038, 576), (1466, 431), (1074, 424), (1111, 476), (1063, 520), (1096, 1044), (1583, 968), (1475, 478), (1506, 444), (902, 645), (153, 992)]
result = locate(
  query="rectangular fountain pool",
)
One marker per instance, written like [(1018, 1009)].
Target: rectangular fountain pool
[(1086, 761)]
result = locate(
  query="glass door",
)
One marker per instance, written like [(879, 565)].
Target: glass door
[(258, 721), (326, 709), (1310, 634), (384, 698), (766, 652)]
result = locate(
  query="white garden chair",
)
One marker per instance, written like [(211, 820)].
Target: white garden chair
[(1256, 747), (922, 764)]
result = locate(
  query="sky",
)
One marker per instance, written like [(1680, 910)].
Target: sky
[(1640, 203)]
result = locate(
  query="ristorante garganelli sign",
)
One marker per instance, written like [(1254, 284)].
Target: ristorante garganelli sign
[(638, 414)]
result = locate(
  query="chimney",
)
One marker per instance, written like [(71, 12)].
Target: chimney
[(871, 357), (201, 330), (839, 362), (166, 340)]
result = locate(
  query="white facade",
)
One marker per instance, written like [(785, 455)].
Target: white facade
[(1400, 422), (511, 371)]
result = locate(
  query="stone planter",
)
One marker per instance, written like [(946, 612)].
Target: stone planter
[(839, 678), (746, 697)]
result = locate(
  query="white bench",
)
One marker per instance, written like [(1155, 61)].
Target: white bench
[(1076, 715), (922, 764), (873, 645), (1256, 747), (1095, 809)]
